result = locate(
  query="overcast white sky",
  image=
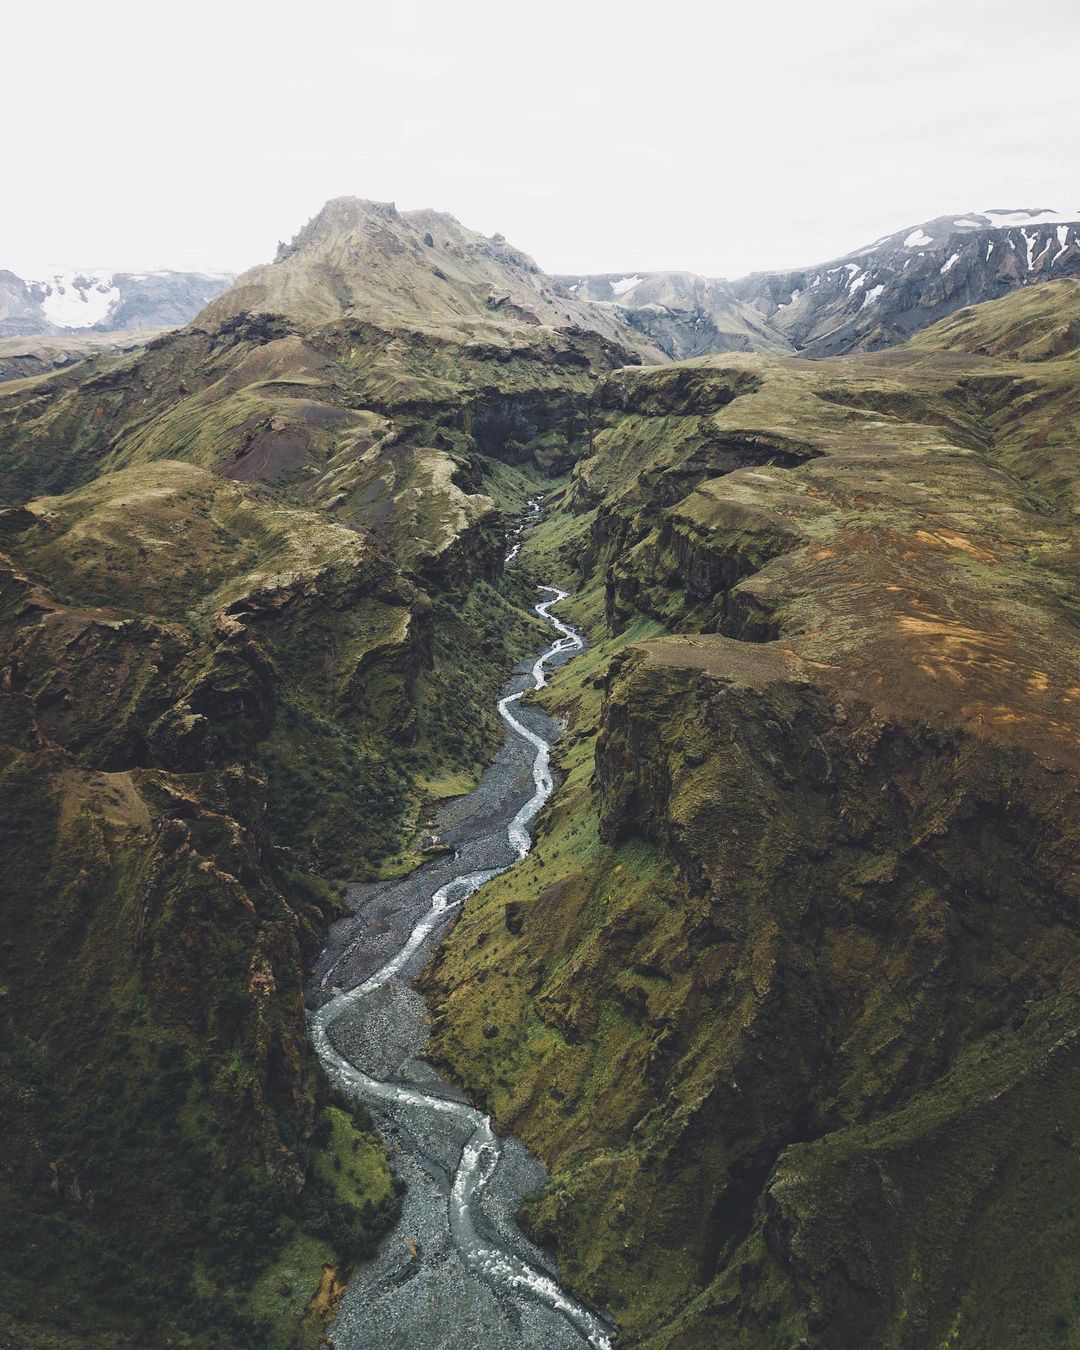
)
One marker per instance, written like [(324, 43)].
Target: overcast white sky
[(597, 135)]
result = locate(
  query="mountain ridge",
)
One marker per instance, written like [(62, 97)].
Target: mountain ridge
[(868, 298), (365, 259)]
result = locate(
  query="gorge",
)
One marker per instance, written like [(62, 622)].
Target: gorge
[(755, 922), (488, 836)]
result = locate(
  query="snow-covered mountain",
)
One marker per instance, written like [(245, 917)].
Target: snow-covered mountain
[(876, 296), (880, 294), (65, 300)]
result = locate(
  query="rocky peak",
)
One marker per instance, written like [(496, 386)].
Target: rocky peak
[(339, 216), (369, 262)]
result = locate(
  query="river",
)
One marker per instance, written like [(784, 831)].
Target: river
[(456, 1273)]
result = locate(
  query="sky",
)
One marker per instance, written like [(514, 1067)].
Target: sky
[(597, 136)]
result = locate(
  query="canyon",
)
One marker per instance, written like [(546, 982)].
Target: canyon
[(780, 1002)]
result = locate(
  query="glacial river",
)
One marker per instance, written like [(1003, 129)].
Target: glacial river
[(456, 1273)]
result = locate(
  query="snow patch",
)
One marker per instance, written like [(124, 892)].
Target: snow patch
[(1004, 218), (949, 264), (917, 239), (1063, 240), (77, 299), (871, 295), (625, 284), (999, 220)]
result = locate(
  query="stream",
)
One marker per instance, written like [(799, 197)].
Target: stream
[(456, 1273)]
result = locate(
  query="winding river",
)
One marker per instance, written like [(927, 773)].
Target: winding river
[(457, 1273)]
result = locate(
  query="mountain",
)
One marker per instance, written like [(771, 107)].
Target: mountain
[(683, 314), (70, 300), (254, 621), (874, 297), (881, 294), (362, 260), (785, 996), (787, 993), (361, 332)]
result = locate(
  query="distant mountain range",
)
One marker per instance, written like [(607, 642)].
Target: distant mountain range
[(873, 297), (72, 300), (685, 314)]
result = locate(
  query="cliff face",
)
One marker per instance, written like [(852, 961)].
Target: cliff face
[(799, 936), (863, 1061)]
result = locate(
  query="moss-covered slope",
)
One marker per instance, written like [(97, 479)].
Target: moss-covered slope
[(798, 942), (253, 621)]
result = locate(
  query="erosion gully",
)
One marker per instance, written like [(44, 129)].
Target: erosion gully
[(457, 1273)]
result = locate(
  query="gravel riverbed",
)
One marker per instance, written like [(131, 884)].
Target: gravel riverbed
[(456, 1273)]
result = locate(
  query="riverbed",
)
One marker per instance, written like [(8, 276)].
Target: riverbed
[(456, 1273)]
